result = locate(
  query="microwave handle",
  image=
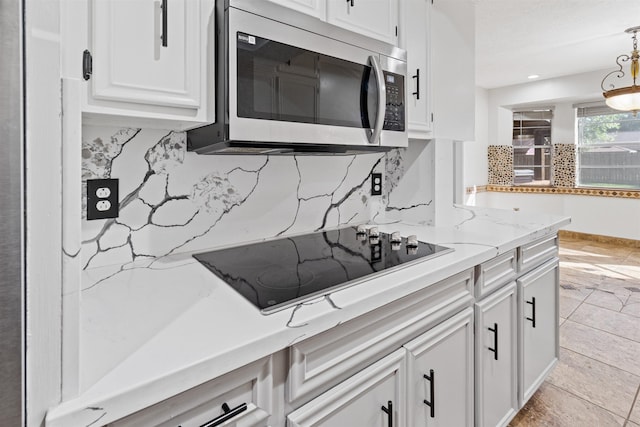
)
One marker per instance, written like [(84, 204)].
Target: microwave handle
[(374, 134)]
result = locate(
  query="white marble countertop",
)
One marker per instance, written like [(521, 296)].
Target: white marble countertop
[(162, 326)]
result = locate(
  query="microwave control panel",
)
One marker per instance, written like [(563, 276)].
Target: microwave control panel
[(395, 109)]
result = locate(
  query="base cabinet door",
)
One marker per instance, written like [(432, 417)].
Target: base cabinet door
[(496, 358), (374, 397), (538, 322), (440, 375)]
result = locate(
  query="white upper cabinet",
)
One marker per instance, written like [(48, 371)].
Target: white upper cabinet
[(415, 38), (149, 59), (453, 69), (377, 19), (146, 53), (316, 8)]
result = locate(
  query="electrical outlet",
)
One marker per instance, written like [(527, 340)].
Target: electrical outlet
[(102, 198), (376, 184), (103, 192)]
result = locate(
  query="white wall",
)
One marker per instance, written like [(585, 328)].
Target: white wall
[(560, 94), (594, 215), (475, 152)]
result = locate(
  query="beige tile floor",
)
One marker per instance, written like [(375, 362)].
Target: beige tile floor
[(597, 381)]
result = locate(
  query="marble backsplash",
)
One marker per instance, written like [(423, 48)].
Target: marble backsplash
[(174, 201)]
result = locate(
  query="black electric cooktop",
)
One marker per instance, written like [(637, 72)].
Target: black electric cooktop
[(276, 274)]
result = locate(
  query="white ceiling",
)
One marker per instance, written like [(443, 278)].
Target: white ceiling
[(551, 38)]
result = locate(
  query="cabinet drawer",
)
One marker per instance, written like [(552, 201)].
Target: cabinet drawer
[(249, 387), (535, 253), (323, 361), (495, 273)]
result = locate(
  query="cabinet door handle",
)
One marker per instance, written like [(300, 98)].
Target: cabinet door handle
[(533, 309), (495, 341), (351, 2), (417, 77), (164, 36), (432, 390), (227, 415), (389, 411)]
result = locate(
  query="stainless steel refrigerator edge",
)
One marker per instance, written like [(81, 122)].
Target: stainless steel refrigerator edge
[(11, 216)]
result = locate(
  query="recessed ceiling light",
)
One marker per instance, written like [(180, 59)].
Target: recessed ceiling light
[(533, 76)]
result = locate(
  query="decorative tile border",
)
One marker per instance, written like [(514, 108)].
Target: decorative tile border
[(626, 194), (476, 189), (619, 241)]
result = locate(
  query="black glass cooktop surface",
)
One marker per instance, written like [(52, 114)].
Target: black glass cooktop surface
[(276, 274)]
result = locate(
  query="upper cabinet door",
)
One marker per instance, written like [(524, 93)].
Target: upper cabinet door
[(315, 8), (373, 18), (415, 39), (147, 52)]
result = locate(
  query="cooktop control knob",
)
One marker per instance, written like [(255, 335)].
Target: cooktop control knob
[(374, 236), (412, 241), (396, 237), (361, 233)]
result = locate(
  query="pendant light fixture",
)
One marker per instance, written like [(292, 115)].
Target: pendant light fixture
[(624, 98)]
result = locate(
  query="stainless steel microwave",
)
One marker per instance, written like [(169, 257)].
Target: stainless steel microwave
[(301, 89)]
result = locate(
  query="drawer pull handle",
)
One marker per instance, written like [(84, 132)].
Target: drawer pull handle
[(495, 341), (389, 411), (432, 388), (533, 308), (165, 24), (228, 414)]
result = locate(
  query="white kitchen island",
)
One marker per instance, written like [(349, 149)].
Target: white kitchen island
[(155, 329)]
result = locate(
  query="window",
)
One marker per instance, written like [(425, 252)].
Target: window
[(608, 148), (532, 147)]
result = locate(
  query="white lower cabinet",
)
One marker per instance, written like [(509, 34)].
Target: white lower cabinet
[(433, 358), (496, 358), (374, 397), (440, 374), (433, 389), (538, 323)]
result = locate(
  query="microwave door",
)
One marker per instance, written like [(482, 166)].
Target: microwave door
[(287, 85), (373, 132)]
